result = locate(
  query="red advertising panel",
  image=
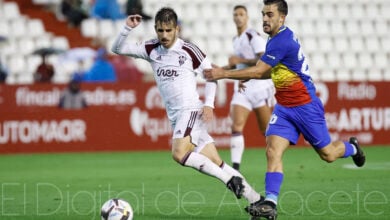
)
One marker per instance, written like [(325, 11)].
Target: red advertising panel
[(360, 109), (118, 117), (132, 117)]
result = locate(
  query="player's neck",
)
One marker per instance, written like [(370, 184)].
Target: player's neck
[(172, 45), (277, 31), (241, 29)]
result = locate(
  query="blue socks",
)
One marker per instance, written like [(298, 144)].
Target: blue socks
[(350, 150), (273, 182)]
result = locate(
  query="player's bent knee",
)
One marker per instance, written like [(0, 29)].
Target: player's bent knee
[(176, 158), (273, 153)]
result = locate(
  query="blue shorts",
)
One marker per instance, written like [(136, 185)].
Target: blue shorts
[(308, 119)]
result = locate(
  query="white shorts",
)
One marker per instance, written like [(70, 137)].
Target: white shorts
[(257, 93), (189, 122)]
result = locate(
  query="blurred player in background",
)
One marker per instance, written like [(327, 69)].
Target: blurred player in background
[(176, 64), (3, 72), (73, 97), (44, 72), (134, 7), (298, 109), (252, 95)]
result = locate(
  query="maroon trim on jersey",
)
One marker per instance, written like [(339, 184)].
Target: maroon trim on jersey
[(150, 47), (195, 53), (249, 35)]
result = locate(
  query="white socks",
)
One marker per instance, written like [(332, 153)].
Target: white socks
[(206, 166), (249, 193), (236, 148), (224, 173)]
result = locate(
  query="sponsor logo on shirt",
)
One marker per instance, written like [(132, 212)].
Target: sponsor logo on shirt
[(167, 72), (272, 57)]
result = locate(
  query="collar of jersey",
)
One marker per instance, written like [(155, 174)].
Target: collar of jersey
[(282, 28), (175, 45)]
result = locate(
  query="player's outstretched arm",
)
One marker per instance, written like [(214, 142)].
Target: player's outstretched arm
[(234, 60), (122, 47), (260, 71)]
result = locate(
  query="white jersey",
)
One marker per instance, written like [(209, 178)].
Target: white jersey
[(247, 46), (175, 70)]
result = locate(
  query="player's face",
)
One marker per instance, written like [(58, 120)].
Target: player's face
[(240, 17), (272, 19), (166, 33)]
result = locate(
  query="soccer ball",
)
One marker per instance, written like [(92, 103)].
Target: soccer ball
[(116, 209)]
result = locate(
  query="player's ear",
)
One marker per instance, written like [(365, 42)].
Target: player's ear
[(282, 18), (177, 29), (155, 29)]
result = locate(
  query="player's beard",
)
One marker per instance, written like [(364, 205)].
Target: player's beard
[(167, 43), (267, 28)]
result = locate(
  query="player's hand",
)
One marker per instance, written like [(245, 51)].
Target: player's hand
[(214, 73), (208, 113), (133, 20), (241, 85)]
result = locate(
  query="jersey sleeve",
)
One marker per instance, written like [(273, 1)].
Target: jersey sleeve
[(205, 64), (122, 47), (274, 52), (199, 59), (199, 63)]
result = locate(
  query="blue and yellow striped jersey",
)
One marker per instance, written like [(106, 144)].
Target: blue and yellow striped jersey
[(290, 72)]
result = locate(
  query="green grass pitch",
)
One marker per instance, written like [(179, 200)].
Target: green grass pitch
[(74, 186)]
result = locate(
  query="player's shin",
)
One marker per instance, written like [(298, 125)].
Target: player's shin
[(236, 149), (205, 165), (273, 182)]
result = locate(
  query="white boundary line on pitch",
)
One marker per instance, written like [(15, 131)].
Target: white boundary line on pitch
[(369, 166)]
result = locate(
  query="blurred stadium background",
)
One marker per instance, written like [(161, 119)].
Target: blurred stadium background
[(345, 40)]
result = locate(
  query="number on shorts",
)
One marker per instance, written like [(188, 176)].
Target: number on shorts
[(273, 119)]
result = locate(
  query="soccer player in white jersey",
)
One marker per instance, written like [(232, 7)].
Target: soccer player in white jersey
[(176, 63), (252, 95)]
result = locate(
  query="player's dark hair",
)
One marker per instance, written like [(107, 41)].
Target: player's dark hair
[(166, 15), (240, 6), (282, 5)]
